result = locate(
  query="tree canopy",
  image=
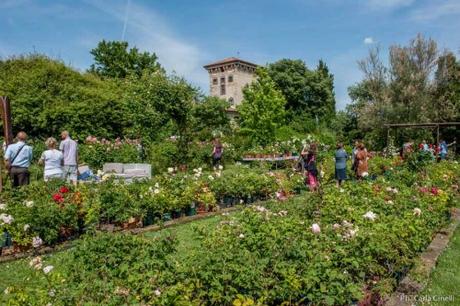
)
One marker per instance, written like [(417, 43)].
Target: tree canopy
[(305, 90), (262, 110), (113, 59)]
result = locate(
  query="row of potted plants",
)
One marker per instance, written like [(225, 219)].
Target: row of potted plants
[(54, 213)]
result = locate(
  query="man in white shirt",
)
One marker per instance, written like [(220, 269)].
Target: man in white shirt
[(69, 149)]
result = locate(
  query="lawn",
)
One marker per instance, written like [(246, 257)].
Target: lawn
[(445, 279)]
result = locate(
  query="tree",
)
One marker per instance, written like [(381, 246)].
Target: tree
[(263, 108), (406, 90), (306, 91), (446, 104), (47, 97), (114, 60), (210, 115)]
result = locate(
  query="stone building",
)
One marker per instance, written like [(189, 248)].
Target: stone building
[(228, 77)]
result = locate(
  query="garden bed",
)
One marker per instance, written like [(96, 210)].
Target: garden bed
[(340, 247)]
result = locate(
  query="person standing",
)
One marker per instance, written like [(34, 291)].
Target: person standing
[(217, 152), (312, 170), (69, 149), (53, 160), (340, 164), (353, 157), (18, 157), (361, 157)]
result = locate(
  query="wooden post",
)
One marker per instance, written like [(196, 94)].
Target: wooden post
[(5, 109), (437, 134)]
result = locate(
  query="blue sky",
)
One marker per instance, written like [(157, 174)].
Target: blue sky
[(188, 34)]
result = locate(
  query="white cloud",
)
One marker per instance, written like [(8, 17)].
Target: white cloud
[(148, 31), (388, 4), (437, 10), (368, 41)]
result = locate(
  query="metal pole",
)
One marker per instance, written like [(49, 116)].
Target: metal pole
[(437, 134)]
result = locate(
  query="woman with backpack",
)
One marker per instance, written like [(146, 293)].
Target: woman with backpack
[(217, 152)]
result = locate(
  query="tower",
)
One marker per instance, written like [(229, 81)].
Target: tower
[(228, 77)]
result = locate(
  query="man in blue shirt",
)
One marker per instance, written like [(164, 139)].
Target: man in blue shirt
[(18, 157)]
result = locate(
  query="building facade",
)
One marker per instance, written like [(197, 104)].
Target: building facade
[(228, 77)]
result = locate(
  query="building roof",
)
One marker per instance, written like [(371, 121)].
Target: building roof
[(229, 60)]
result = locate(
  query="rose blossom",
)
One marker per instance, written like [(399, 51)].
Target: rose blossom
[(26, 227), (241, 236), (2, 206), (370, 215), (36, 263), (47, 269), (315, 228), (7, 219), (37, 242), (29, 204), (157, 292), (417, 211), (170, 170)]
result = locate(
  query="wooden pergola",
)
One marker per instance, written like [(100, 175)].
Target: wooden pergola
[(436, 125)]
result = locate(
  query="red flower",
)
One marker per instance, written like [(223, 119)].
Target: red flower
[(58, 198), (434, 191), (63, 189)]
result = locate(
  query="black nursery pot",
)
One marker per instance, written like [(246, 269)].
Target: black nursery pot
[(149, 218)]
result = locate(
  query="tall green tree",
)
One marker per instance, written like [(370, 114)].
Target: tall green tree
[(210, 115), (263, 109), (113, 59), (305, 90), (446, 104)]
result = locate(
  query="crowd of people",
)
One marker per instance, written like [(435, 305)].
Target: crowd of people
[(59, 163), (62, 163), (438, 152), (359, 160)]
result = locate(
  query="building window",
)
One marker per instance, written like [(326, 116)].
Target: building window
[(231, 101), (222, 89), (230, 78), (222, 80), (214, 81)]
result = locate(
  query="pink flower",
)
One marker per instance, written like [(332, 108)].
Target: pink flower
[(36, 263), (315, 228)]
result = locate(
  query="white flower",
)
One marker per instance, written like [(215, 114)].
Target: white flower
[(157, 292), (321, 173), (47, 269), (7, 290), (36, 263), (2, 206), (170, 170), (221, 167), (336, 226), (342, 190), (7, 219), (394, 190), (389, 189), (29, 204), (156, 191), (370, 216), (26, 227), (417, 211), (37, 242), (211, 177), (390, 202), (200, 169), (260, 208), (241, 236), (315, 228), (157, 185), (346, 223), (365, 174), (241, 201), (52, 293)]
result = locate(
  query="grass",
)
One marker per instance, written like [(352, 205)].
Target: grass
[(445, 279)]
